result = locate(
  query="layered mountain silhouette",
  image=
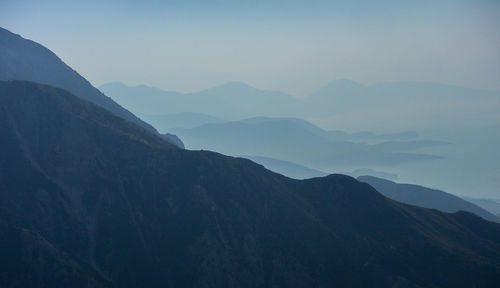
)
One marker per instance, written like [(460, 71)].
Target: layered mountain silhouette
[(423, 104), (23, 59), (490, 205), (89, 199), (346, 95), (341, 103), (170, 122), (371, 172), (425, 197), (297, 171), (296, 140), (289, 169), (244, 100)]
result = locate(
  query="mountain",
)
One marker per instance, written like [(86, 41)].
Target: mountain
[(244, 101), (490, 205), (423, 104), (296, 140), (98, 198), (286, 168), (143, 99), (29, 260), (346, 94), (169, 122), (371, 172), (173, 139), (341, 103), (24, 59), (344, 91), (425, 197)]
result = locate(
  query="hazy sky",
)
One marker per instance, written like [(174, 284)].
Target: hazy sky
[(294, 46)]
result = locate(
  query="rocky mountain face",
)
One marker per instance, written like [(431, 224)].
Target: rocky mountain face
[(88, 199)]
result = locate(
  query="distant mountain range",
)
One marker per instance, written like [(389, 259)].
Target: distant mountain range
[(244, 100), (420, 103), (23, 59), (89, 199), (299, 141), (425, 197), (466, 118), (342, 103)]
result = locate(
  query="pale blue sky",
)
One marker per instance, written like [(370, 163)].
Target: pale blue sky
[(294, 46)]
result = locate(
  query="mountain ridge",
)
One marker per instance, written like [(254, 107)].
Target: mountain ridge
[(24, 59), (351, 104), (244, 99), (141, 212), (425, 197)]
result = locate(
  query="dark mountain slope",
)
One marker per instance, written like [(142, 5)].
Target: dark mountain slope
[(142, 213), (425, 197), (29, 260), (23, 59)]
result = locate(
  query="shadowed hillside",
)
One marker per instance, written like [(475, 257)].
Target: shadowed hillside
[(115, 204)]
